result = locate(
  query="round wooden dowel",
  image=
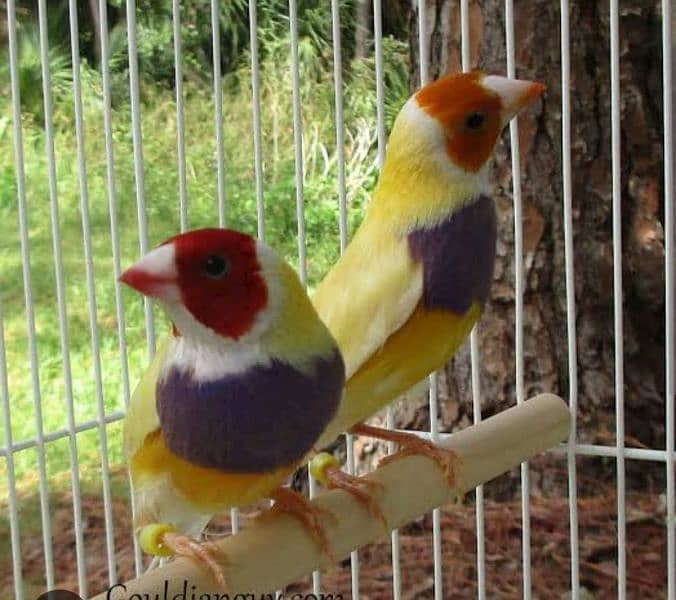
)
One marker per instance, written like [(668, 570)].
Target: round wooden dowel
[(276, 550)]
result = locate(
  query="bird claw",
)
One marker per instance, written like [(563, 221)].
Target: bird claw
[(311, 515), (207, 554), (410, 445), (361, 489), (325, 468)]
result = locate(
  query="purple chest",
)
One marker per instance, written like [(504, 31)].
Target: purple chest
[(458, 257), (251, 422)]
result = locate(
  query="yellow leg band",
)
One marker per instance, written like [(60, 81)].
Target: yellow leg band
[(150, 539), (320, 463)]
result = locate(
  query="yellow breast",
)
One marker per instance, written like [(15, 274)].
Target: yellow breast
[(208, 490)]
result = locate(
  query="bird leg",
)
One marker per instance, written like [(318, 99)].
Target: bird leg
[(207, 554), (294, 503), (411, 444), (325, 468)]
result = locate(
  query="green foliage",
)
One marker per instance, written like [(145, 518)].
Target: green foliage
[(320, 163), (155, 34), (30, 64)]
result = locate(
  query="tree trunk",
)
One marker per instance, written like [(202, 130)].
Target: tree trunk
[(96, 29), (538, 57)]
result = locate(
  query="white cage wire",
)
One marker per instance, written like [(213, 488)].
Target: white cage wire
[(104, 417)]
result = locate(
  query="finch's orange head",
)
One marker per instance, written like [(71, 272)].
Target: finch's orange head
[(471, 110)]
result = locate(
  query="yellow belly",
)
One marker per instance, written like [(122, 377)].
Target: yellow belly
[(208, 490)]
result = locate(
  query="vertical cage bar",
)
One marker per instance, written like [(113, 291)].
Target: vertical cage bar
[(518, 294), (474, 362), (380, 80), (342, 228), (218, 111), (256, 110), (436, 513), (115, 237), (91, 290), (354, 555), (464, 35), (234, 520), (423, 45), (617, 295), (670, 300), (28, 292), (380, 159), (297, 140), (312, 491), (423, 48), (570, 298), (180, 119), (62, 314), (394, 536), (137, 141), (300, 205), (479, 491), (112, 198), (220, 154), (340, 126), (12, 499)]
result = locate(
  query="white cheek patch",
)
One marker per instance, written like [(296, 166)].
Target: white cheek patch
[(207, 355), (268, 261), (428, 139), (428, 127), (208, 362)]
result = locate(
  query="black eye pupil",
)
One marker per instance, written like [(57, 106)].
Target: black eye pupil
[(215, 266), (475, 120)]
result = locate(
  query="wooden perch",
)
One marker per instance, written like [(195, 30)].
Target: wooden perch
[(276, 550)]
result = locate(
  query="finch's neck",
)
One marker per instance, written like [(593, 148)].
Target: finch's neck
[(419, 185)]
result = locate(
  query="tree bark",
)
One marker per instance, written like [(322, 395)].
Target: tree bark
[(96, 29), (538, 57)]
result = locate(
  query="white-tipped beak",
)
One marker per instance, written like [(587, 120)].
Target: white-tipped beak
[(515, 94), (155, 274)]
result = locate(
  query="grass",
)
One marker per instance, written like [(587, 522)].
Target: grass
[(161, 197)]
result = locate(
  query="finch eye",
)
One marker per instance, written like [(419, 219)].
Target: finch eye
[(475, 121), (215, 266)]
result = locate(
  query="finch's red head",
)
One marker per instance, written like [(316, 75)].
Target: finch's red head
[(472, 109), (213, 273)]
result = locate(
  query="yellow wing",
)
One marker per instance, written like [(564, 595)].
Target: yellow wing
[(423, 345), (142, 416), (369, 293)]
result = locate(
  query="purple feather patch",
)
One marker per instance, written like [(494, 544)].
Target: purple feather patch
[(251, 422), (458, 256)]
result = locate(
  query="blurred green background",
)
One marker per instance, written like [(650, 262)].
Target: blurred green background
[(159, 123)]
